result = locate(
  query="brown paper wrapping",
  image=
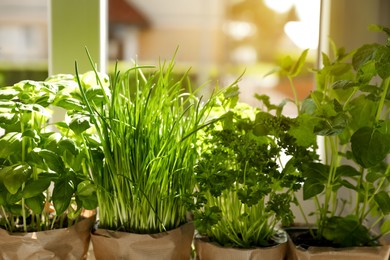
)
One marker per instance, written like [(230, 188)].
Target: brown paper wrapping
[(327, 253), (210, 251), (65, 243), (174, 244)]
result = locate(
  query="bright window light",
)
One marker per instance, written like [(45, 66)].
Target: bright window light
[(304, 33), (240, 30), (279, 6)]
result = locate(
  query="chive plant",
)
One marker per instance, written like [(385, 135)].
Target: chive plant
[(147, 125)]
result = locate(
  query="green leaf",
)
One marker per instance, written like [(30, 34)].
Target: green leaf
[(8, 93), (325, 59), (382, 198), (79, 125), (70, 104), (385, 227), (364, 54), (362, 111), (51, 142), (7, 119), (89, 202), (311, 188), (33, 136), (3, 197), (303, 132), (95, 94), (383, 62), (348, 185), (366, 72), (86, 188), (369, 146), (33, 187), (208, 218), (296, 69), (14, 177), (347, 171), (53, 160), (16, 209), (317, 171), (35, 160), (373, 176), (346, 231), (69, 145), (10, 144), (384, 127), (36, 204), (62, 195)]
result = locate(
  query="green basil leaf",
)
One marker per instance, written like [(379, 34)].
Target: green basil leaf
[(15, 177), (86, 188), (53, 160), (62, 195), (89, 202), (36, 204), (70, 104), (69, 145), (8, 93), (33, 188), (10, 144), (79, 125)]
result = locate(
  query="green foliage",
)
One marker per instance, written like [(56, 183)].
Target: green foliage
[(141, 126), (243, 191), (349, 109), (39, 166)]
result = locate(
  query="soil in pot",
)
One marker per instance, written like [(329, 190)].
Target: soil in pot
[(302, 246)]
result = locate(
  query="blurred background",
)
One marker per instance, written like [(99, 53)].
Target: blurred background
[(218, 39)]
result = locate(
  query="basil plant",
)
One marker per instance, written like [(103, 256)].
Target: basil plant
[(44, 181)]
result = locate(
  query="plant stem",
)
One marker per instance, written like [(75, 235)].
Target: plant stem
[(9, 226), (296, 100), (385, 85), (383, 179)]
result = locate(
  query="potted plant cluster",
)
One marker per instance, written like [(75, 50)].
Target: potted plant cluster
[(158, 162), (350, 186), (249, 169), (42, 177), (145, 122)]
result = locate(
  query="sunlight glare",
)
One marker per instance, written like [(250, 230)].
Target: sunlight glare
[(279, 6), (305, 33)]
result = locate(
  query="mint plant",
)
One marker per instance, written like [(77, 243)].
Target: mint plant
[(349, 109)]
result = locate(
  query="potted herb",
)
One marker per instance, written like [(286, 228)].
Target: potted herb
[(244, 190), (146, 124), (43, 185), (349, 187)]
